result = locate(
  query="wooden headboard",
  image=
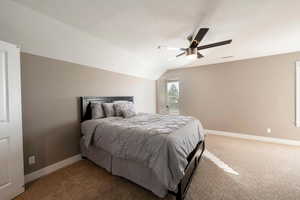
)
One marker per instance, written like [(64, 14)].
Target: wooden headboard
[(86, 112)]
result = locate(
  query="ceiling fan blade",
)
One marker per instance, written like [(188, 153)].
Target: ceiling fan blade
[(214, 44), (190, 38), (198, 38), (199, 55), (170, 48), (180, 54)]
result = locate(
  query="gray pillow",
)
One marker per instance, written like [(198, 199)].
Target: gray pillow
[(118, 105), (128, 110), (109, 109), (97, 111)]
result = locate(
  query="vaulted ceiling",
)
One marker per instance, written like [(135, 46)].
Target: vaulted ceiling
[(257, 27)]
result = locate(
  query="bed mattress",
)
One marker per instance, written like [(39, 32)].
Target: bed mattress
[(148, 149)]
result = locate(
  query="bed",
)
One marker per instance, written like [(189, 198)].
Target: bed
[(157, 152)]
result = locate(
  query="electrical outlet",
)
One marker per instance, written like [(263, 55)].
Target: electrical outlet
[(269, 130), (31, 160)]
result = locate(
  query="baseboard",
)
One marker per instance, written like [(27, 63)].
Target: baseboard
[(257, 138), (49, 169)]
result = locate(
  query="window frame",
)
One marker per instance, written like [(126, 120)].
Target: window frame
[(166, 93), (297, 121)]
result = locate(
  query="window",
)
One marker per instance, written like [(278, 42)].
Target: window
[(173, 97), (298, 94)]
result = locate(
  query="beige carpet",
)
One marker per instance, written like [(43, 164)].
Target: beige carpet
[(267, 172)]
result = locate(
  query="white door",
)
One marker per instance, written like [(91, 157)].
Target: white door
[(11, 139)]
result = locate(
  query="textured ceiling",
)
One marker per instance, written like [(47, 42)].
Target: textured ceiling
[(257, 27)]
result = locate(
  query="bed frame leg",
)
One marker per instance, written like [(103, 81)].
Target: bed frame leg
[(179, 194), (183, 187)]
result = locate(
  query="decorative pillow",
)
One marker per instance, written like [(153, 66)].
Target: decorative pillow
[(128, 110), (97, 111), (118, 105), (109, 109)]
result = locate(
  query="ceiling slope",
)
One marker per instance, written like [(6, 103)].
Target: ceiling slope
[(41, 35), (125, 34)]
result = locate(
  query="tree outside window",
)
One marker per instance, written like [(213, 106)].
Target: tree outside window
[(173, 96)]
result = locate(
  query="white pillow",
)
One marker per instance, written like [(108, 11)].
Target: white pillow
[(128, 110)]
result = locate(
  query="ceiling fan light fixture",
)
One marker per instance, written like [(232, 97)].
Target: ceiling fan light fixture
[(191, 53), (192, 56)]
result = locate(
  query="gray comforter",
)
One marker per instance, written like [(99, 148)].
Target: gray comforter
[(160, 142)]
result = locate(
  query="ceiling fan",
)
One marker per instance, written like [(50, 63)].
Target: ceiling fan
[(193, 50)]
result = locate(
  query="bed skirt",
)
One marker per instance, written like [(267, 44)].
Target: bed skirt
[(130, 170)]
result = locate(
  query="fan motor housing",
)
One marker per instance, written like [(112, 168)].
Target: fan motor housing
[(191, 51)]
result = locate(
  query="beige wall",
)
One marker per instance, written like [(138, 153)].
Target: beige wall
[(246, 96), (50, 91)]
